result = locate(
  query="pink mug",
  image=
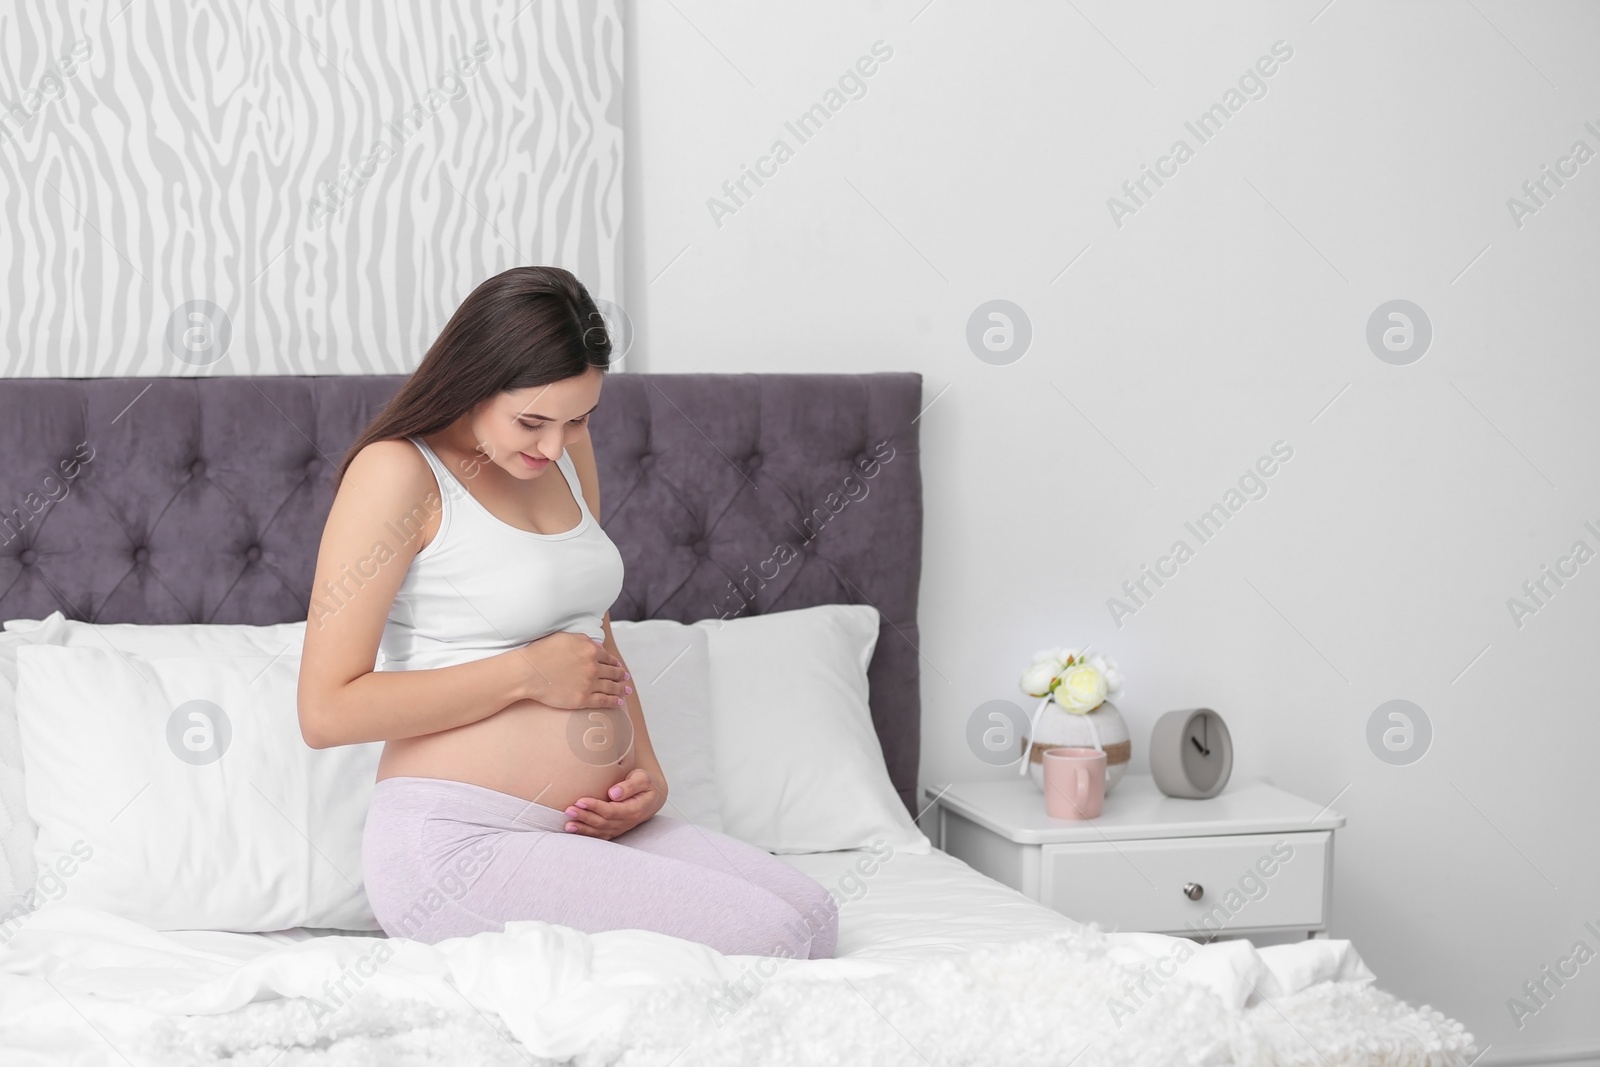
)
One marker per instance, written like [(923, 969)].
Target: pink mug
[(1074, 782)]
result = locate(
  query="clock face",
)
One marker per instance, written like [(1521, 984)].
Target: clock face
[(1205, 741)]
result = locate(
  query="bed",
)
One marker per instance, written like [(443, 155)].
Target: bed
[(204, 505)]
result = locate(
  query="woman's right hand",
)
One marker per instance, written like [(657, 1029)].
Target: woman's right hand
[(572, 670)]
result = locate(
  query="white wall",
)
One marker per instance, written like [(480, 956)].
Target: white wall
[(1222, 317)]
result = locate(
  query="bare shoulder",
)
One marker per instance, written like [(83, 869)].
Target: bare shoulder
[(582, 453), (386, 482), (390, 471)]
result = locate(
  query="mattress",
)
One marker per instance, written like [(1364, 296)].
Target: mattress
[(906, 907), (912, 908), (86, 987)]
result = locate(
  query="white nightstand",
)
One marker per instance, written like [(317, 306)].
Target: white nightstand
[(1252, 860)]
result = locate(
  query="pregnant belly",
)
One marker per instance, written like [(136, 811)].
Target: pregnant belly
[(551, 756)]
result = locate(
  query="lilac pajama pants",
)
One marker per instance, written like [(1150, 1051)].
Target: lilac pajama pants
[(443, 858)]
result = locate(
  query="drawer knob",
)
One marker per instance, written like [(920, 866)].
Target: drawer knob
[(1193, 890)]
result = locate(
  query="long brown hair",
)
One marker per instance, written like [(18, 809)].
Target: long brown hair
[(524, 327)]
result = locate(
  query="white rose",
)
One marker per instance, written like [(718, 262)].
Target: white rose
[(1044, 654), (1037, 678), (1082, 689), (1108, 669), (1067, 653)]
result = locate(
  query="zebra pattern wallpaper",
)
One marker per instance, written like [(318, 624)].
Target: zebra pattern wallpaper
[(291, 187)]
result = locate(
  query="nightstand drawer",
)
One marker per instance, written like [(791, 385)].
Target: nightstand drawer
[(1246, 881)]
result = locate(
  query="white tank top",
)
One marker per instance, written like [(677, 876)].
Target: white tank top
[(483, 586)]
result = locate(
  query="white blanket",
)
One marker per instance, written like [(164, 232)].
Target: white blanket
[(85, 987)]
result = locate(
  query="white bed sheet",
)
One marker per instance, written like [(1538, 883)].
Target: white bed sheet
[(903, 906), (79, 986), (913, 908)]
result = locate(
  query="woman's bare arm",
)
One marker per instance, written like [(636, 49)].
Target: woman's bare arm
[(374, 530)]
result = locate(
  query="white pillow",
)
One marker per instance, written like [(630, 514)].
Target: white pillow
[(172, 639), (671, 668), (143, 822), (799, 767), (20, 886), (20, 891)]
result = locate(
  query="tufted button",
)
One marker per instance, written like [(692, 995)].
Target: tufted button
[(314, 467), (253, 553), (862, 461), (141, 555), (753, 463), (647, 460), (197, 468), (701, 548), (27, 556)]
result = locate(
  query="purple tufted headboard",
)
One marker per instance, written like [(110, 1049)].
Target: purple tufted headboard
[(183, 500)]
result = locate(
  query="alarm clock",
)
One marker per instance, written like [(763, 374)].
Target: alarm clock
[(1191, 753)]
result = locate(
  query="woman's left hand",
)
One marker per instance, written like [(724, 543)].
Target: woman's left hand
[(632, 801)]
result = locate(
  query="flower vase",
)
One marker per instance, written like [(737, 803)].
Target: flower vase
[(1103, 728)]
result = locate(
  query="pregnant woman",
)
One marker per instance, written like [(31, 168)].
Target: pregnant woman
[(517, 779)]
